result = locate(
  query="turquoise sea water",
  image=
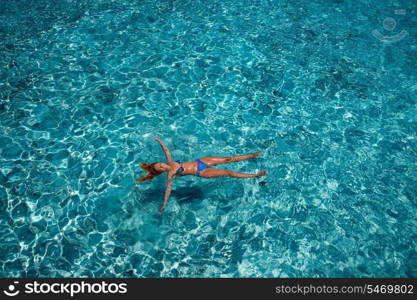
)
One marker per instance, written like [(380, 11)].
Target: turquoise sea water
[(84, 85)]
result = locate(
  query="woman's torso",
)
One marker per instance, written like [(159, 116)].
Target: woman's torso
[(189, 167)]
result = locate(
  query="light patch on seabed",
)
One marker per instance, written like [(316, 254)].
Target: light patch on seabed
[(332, 184), (248, 269)]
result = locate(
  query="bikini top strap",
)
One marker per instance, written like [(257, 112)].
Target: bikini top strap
[(180, 169)]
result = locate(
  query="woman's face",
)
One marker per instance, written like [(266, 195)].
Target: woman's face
[(160, 167)]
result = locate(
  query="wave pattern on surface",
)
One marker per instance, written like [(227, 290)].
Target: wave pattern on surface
[(86, 84)]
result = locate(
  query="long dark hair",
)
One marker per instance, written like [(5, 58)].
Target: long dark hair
[(151, 170)]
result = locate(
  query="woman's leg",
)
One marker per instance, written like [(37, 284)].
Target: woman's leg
[(217, 160), (211, 173)]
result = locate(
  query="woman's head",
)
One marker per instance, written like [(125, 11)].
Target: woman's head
[(153, 169)]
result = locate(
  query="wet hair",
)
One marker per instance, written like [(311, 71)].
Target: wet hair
[(150, 168)]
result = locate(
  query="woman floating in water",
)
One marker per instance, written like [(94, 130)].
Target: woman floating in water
[(200, 167)]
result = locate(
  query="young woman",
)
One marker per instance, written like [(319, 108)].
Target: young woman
[(201, 167)]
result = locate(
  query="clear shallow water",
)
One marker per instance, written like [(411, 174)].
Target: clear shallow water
[(85, 84)]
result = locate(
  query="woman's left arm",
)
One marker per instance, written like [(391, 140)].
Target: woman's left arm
[(167, 192), (165, 148)]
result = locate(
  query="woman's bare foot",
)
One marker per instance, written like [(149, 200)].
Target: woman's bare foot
[(262, 173), (256, 154)]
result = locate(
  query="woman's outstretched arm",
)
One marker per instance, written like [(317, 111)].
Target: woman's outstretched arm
[(165, 148), (167, 192)]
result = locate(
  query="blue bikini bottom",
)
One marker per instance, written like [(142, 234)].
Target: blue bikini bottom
[(201, 166)]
